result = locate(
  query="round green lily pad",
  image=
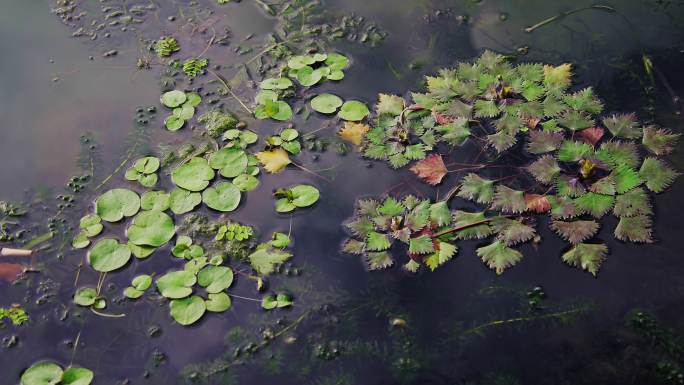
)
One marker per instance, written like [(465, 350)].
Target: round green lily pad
[(218, 302), (276, 84), (85, 296), (300, 61), (246, 182), (155, 200), (42, 373), (77, 376), (283, 205), (173, 123), (117, 203), (283, 111), (182, 201), (189, 310), (320, 57), (149, 180), (141, 252), (108, 255), (223, 196), (132, 293), (337, 61), (142, 282), (230, 162), (176, 284), (184, 112), (147, 165), (151, 228), (81, 240), (193, 99), (335, 75), (353, 110), (304, 195), (265, 95), (194, 175), (173, 99), (215, 279), (326, 103), (289, 134), (308, 76)]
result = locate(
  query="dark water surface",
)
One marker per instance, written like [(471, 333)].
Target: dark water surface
[(52, 92)]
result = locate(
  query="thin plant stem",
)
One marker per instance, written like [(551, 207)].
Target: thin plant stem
[(561, 15), (225, 84)]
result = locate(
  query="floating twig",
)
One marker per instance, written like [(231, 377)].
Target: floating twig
[(561, 15)]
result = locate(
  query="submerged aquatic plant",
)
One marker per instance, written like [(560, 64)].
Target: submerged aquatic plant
[(582, 169), (166, 46)]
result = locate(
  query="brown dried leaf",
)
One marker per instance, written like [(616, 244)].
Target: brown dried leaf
[(431, 169)]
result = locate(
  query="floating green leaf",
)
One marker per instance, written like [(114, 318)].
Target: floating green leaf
[(151, 228), (114, 204), (326, 103), (176, 284), (193, 175), (586, 256), (223, 196), (173, 99), (108, 255), (657, 174), (189, 310), (42, 373), (218, 302), (498, 256), (215, 278), (265, 259), (353, 110), (182, 201)]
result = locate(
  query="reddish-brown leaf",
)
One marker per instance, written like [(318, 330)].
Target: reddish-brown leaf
[(431, 169), (10, 271), (591, 135), (441, 118), (537, 203)]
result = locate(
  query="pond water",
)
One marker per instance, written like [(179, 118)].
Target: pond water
[(73, 95)]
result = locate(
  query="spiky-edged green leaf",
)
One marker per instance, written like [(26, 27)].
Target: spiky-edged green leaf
[(575, 231), (511, 231), (418, 217), (486, 109), (541, 141), (625, 178), (569, 186), (353, 246), (623, 126), (377, 241), (421, 245), (658, 140), (378, 261), (508, 200), (498, 256), (634, 229), (616, 153), (544, 169), (575, 120), (440, 214), (502, 140), (633, 202), (657, 174), (474, 187), (445, 252), (360, 226), (586, 256), (571, 151), (391, 207), (596, 205), (473, 225), (605, 186), (562, 206)]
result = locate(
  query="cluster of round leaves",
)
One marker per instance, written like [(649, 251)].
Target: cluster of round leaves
[(308, 70), (182, 105), (89, 297), (585, 167), (49, 373), (351, 110), (177, 285), (144, 171), (294, 197)]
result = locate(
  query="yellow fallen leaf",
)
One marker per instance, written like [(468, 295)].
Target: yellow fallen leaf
[(274, 160), (354, 132), (558, 76)]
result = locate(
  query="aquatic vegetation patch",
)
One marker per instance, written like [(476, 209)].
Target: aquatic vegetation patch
[(582, 167), (49, 373), (15, 314)]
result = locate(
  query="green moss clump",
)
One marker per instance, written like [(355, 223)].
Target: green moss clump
[(217, 122)]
